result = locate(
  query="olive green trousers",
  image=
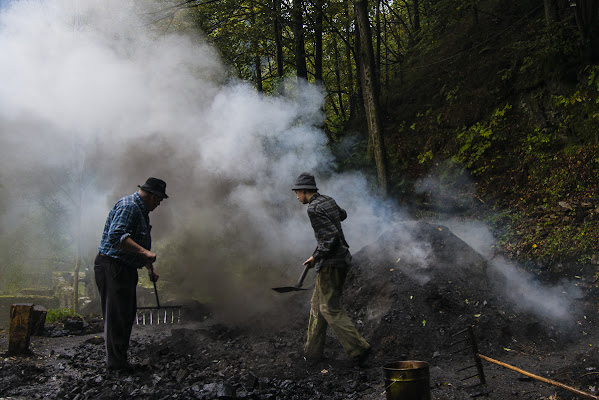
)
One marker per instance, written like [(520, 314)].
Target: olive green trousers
[(325, 310)]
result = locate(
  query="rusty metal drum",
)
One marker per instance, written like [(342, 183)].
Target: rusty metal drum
[(407, 380)]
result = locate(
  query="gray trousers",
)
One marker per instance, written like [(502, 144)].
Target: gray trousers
[(117, 284)]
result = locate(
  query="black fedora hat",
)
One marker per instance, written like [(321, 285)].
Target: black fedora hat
[(155, 186), (305, 182)]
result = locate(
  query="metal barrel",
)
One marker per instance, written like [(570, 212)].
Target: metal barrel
[(407, 380)]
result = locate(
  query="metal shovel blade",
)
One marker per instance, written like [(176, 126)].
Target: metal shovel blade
[(297, 287), (286, 289)]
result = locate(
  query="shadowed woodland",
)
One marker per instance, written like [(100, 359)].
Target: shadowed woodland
[(474, 110)]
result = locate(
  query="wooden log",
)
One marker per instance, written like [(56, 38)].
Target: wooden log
[(38, 320), (20, 328)]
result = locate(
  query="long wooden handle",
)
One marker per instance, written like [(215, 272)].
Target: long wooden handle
[(155, 290), (301, 279), (540, 378)]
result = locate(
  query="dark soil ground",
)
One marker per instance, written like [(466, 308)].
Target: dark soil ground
[(411, 294)]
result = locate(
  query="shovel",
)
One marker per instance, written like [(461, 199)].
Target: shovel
[(297, 287)]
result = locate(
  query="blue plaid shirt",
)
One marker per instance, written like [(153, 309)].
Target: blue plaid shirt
[(128, 218)]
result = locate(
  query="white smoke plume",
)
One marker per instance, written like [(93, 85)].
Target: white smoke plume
[(95, 99), (450, 188), (553, 302)]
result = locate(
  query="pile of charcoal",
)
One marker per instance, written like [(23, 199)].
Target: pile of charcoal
[(74, 325)]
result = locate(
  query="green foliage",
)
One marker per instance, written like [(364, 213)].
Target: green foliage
[(451, 94), (543, 52), (13, 278), (23, 266), (578, 111), (477, 139), (13, 248), (593, 79), (551, 240), (425, 157), (56, 314), (554, 218), (240, 30), (527, 64), (539, 140), (354, 156), (559, 175)]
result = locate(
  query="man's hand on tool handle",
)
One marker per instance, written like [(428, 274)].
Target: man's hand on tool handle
[(310, 261), (152, 274), (150, 257), (129, 244)]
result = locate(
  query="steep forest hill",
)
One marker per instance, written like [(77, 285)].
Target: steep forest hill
[(502, 98), (502, 93)]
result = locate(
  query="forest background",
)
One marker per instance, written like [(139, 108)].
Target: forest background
[(483, 109), (500, 93)]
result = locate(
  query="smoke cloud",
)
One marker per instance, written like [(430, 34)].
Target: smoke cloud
[(554, 303), (448, 187), (96, 98)]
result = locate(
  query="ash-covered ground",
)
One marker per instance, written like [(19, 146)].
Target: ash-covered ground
[(410, 294)]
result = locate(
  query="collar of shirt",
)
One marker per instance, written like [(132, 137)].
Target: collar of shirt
[(141, 204), (314, 196)]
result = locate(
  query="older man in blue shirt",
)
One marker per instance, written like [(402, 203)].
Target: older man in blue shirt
[(125, 247)]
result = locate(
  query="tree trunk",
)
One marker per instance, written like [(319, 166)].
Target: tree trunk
[(278, 27), (318, 4), (370, 93), (338, 78), (354, 108), (76, 282), (585, 12), (358, 93), (256, 50), (550, 11), (385, 73), (474, 12), (77, 251), (298, 40), (379, 40), (258, 66), (416, 17)]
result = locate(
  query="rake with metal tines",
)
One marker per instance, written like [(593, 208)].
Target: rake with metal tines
[(473, 347), (158, 315), (481, 375)]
